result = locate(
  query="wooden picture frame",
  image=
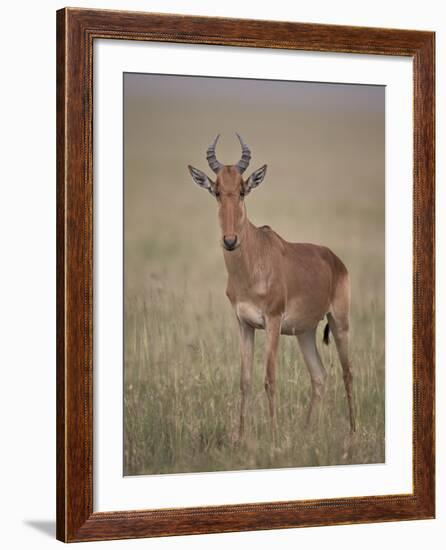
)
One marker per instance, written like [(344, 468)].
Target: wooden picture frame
[(76, 31)]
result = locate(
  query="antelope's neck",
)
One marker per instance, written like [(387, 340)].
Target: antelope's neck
[(241, 264)]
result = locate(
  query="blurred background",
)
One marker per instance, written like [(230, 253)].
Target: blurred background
[(324, 147)]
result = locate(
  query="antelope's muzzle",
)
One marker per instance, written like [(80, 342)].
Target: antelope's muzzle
[(230, 242)]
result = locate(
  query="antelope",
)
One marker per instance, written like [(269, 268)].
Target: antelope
[(277, 286)]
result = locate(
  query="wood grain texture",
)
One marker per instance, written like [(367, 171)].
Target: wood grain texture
[(76, 31)]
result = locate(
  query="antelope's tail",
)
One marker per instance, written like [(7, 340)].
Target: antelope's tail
[(326, 338)]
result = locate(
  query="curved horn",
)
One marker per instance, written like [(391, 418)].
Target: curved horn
[(212, 159), (243, 163)]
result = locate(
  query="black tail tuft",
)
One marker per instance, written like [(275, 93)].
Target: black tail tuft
[(326, 338)]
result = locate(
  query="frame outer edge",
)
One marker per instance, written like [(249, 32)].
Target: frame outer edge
[(424, 255), (433, 321), (74, 283), (61, 496)]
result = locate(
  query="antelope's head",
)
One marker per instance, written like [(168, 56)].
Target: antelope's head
[(230, 190)]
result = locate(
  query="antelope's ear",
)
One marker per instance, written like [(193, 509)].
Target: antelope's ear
[(202, 180), (255, 179)]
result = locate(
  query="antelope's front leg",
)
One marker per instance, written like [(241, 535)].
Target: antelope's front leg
[(272, 328), (247, 358)]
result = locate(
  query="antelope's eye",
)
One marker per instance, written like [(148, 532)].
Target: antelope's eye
[(242, 193), (217, 194)]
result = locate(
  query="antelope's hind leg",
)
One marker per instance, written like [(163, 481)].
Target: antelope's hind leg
[(247, 359), (340, 329), (338, 320), (318, 374)]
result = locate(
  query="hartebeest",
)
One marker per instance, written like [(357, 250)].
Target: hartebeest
[(278, 286)]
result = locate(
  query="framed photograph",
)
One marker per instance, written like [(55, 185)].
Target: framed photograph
[(245, 275)]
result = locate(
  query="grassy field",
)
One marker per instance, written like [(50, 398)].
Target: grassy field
[(182, 396), (181, 359)]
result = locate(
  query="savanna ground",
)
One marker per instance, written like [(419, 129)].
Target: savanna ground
[(181, 358)]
